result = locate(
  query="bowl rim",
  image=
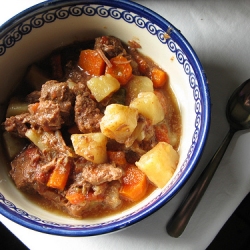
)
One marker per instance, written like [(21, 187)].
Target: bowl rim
[(201, 79)]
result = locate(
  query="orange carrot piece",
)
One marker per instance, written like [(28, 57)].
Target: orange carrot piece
[(121, 69), (118, 157), (91, 197), (91, 62), (75, 197), (134, 184), (78, 197), (33, 107), (161, 133), (59, 177), (142, 65), (158, 77)]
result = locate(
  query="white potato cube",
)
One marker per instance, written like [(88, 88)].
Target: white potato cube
[(103, 86), (159, 164), (91, 146), (138, 84), (148, 104), (119, 122)]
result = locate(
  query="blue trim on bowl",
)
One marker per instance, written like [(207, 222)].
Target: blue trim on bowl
[(186, 56)]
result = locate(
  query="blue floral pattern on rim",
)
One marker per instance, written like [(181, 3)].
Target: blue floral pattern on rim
[(52, 15)]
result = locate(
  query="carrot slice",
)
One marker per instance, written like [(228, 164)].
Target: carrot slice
[(75, 197), (91, 62), (78, 197), (33, 107), (121, 69), (134, 184), (158, 77), (143, 65), (59, 176)]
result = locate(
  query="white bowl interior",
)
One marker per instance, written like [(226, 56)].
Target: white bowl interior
[(43, 39)]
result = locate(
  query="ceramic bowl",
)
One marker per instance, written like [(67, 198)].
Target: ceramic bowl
[(38, 30)]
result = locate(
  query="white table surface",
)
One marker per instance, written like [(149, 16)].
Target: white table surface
[(219, 32)]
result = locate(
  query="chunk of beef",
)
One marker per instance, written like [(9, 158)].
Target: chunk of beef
[(59, 93), (55, 108), (81, 88), (111, 46), (24, 166), (76, 75), (105, 196), (112, 199), (18, 124), (87, 115), (100, 189), (56, 91), (32, 166), (47, 115), (100, 173), (30, 172), (53, 145), (147, 138)]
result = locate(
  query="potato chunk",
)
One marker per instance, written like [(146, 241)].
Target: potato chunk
[(16, 107), (13, 144), (136, 85), (159, 163), (119, 122), (103, 86), (148, 104), (91, 146)]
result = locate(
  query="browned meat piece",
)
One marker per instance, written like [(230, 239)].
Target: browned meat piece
[(87, 115), (98, 174), (112, 199), (105, 196), (24, 168), (111, 46), (47, 115), (148, 138), (76, 75), (54, 145), (59, 201), (100, 189), (56, 99), (56, 91), (18, 124), (30, 172), (32, 166), (81, 88), (54, 109), (79, 164)]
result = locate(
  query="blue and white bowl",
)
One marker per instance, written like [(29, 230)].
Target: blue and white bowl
[(38, 30)]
